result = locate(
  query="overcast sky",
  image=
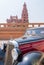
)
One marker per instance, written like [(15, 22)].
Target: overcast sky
[(14, 7)]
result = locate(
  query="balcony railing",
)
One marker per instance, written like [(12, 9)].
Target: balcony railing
[(31, 25), (6, 25)]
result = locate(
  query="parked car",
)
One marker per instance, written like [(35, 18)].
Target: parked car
[(33, 41)]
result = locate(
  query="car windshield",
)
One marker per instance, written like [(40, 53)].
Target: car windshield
[(36, 31), (30, 58)]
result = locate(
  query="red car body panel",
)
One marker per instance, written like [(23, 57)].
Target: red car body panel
[(32, 46)]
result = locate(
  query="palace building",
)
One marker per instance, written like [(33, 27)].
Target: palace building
[(14, 27)]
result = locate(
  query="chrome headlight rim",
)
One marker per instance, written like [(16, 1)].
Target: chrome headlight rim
[(14, 42)]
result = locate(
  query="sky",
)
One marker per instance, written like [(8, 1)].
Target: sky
[(14, 7)]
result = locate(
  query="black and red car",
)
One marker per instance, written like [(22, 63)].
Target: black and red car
[(29, 43), (28, 49)]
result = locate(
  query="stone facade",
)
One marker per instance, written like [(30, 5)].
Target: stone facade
[(14, 27)]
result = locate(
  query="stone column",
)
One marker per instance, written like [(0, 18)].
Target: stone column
[(8, 56)]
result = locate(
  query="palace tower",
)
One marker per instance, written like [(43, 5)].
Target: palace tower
[(24, 13)]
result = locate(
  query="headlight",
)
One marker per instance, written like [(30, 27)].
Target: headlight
[(13, 42), (14, 54)]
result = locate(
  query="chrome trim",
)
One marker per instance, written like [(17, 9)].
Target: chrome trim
[(15, 43)]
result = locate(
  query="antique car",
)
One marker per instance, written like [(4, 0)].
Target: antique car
[(31, 44), (28, 43)]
